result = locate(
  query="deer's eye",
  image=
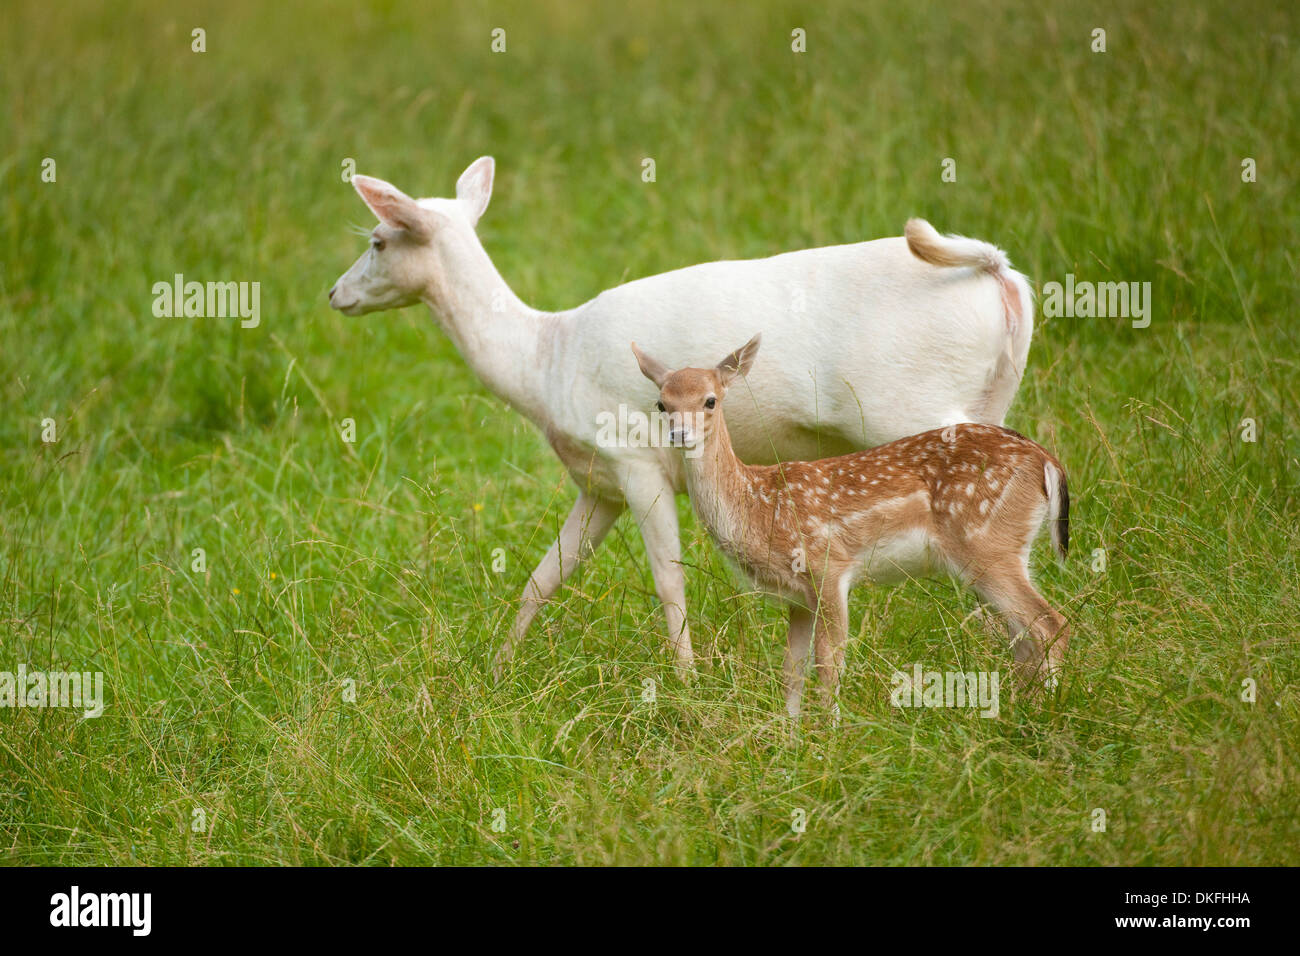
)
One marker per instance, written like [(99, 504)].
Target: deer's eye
[(377, 245), (710, 402), (660, 406)]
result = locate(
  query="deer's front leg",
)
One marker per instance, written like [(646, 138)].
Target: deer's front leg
[(654, 505), (587, 524), (796, 656)]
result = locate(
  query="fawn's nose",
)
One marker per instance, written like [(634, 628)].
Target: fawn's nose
[(332, 291)]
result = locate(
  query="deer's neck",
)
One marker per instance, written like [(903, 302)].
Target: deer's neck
[(496, 333)]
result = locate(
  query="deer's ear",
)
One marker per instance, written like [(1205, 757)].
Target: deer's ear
[(474, 188), (392, 206), (651, 368), (740, 361)]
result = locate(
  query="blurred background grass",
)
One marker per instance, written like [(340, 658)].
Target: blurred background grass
[(373, 562)]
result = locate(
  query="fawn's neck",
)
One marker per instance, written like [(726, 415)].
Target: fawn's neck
[(715, 479)]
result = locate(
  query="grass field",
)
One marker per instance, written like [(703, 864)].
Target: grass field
[(337, 571)]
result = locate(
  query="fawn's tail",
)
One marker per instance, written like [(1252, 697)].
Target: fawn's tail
[(1058, 507)]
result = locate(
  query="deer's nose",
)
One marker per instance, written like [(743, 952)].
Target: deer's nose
[(332, 291)]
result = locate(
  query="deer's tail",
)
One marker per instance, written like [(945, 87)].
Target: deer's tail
[(928, 245)]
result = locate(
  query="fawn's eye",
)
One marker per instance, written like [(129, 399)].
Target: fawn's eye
[(377, 245), (710, 402), (660, 406)]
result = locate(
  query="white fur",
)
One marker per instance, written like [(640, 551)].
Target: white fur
[(898, 558), (885, 345)]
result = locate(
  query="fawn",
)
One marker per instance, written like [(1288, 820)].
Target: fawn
[(966, 500)]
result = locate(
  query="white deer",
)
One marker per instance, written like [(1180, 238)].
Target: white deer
[(879, 340)]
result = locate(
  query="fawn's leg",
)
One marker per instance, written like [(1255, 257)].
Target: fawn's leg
[(830, 631), (654, 505), (796, 656), (584, 528), (994, 626), (1040, 654)]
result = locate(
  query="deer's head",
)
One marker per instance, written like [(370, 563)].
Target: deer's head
[(404, 261)]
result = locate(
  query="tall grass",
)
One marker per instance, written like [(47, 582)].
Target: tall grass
[(370, 567)]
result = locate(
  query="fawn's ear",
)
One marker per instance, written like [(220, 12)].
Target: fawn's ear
[(474, 188), (740, 361), (392, 206), (651, 368)]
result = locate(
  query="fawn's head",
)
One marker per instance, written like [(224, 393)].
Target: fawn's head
[(402, 261), (692, 397)]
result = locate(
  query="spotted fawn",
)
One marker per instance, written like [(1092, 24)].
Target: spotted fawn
[(966, 500)]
